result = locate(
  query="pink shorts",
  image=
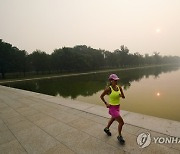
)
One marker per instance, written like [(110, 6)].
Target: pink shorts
[(114, 111)]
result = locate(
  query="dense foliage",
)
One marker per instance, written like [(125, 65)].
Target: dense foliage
[(76, 59)]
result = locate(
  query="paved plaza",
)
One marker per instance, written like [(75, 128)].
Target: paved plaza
[(36, 123)]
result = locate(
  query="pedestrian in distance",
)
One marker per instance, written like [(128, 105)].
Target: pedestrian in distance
[(115, 92)]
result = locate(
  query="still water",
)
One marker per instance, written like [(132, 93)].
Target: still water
[(152, 91)]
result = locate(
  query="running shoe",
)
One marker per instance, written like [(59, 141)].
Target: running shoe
[(106, 130), (121, 140)]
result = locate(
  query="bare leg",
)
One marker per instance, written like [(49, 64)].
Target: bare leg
[(121, 123), (110, 122)]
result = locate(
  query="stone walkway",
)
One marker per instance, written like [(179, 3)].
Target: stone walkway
[(37, 123)]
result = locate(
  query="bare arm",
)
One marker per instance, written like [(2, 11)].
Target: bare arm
[(105, 92), (122, 93)]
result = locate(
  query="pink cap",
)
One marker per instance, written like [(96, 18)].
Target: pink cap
[(113, 77)]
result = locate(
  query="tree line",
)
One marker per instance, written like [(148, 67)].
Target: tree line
[(76, 59)]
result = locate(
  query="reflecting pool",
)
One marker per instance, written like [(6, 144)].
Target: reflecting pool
[(152, 91)]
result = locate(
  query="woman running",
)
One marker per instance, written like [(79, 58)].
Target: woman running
[(115, 92)]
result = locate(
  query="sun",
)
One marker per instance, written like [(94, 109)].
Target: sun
[(158, 30)]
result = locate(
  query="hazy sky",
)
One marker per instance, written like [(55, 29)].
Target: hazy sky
[(143, 26)]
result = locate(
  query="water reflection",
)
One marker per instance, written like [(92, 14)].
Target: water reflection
[(87, 85), (158, 94)]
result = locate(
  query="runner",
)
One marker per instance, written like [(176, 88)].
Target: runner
[(115, 92)]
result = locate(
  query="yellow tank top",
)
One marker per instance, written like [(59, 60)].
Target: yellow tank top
[(114, 98)]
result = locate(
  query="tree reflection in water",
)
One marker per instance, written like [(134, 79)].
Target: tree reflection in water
[(87, 85)]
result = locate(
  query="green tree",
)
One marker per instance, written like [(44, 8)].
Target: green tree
[(39, 61), (6, 59)]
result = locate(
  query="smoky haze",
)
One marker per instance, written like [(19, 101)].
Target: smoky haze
[(144, 26)]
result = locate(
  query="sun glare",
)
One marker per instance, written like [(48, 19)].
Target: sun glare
[(158, 94), (158, 30)]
